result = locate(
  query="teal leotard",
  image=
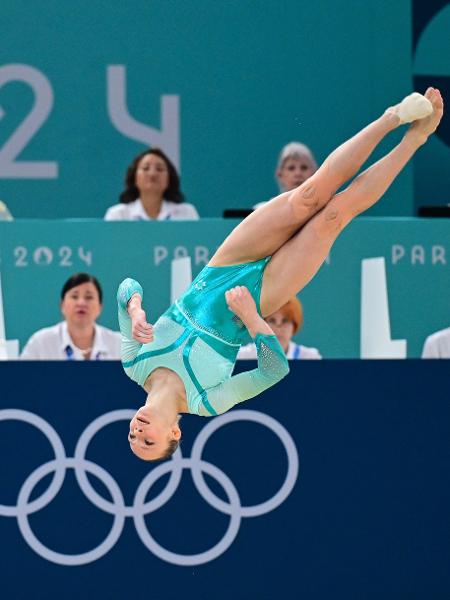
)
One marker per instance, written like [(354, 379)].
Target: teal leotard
[(198, 338)]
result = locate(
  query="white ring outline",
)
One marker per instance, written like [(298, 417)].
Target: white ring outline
[(15, 414), (71, 559), (139, 508), (187, 560), (289, 446), (80, 453)]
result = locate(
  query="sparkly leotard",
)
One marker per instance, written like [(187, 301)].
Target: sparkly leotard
[(198, 338)]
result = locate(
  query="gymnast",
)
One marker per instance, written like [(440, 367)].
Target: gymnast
[(185, 360)]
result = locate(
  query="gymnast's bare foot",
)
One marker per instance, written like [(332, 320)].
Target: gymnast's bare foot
[(425, 127)]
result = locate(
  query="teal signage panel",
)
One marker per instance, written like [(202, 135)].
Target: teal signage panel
[(38, 256)]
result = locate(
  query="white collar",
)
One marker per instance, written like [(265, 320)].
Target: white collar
[(137, 211), (98, 347), (165, 211)]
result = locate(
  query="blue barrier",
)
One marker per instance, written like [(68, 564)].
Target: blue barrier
[(366, 516)]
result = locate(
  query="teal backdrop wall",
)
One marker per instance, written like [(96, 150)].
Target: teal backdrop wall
[(222, 86), (38, 256), (431, 62)]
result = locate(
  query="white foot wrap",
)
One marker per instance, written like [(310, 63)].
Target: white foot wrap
[(412, 108)]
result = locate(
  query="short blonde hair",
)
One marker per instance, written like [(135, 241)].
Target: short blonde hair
[(296, 150)]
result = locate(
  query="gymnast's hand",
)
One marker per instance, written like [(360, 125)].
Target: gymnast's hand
[(141, 330), (241, 302)]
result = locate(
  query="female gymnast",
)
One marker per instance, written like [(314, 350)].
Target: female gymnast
[(184, 362)]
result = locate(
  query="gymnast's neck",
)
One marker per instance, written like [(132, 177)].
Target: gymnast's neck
[(166, 392)]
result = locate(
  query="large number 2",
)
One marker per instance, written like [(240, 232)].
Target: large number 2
[(9, 167), (168, 137)]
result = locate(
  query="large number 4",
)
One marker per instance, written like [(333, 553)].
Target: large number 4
[(167, 138)]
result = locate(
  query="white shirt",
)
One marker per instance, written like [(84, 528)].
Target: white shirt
[(55, 343), (134, 211), (437, 345), (295, 351)]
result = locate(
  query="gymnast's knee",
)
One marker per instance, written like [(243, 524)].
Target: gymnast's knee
[(330, 221), (304, 200)]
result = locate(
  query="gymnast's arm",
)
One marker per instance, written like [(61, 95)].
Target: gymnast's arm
[(272, 362), (132, 320), (272, 367)]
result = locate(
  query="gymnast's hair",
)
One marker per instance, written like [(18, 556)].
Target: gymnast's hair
[(171, 449)]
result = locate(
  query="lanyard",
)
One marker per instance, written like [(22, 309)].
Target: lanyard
[(69, 353), (296, 352)]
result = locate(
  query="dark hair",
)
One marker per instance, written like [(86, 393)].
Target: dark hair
[(131, 192), (171, 448), (78, 279)]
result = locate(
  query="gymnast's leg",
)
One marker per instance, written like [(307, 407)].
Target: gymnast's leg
[(272, 225), (298, 260)]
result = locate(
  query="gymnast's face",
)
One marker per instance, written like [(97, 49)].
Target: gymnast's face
[(81, 305), (152, 174), (293, 172), (149, 435)]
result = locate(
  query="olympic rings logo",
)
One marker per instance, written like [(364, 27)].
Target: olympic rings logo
[(140, 508)]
